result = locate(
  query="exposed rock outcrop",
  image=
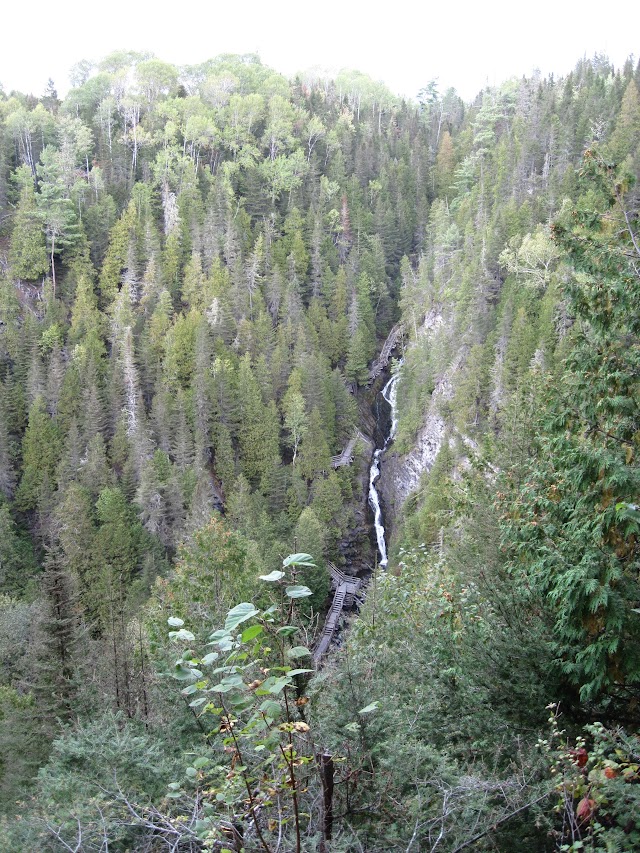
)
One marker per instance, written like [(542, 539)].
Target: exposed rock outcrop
[(401, 474)]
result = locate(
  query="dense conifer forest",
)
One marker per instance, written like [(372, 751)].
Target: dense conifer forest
[(198, 267)]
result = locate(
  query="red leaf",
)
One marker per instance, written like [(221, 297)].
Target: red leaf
[(586, 808), (579, 756)]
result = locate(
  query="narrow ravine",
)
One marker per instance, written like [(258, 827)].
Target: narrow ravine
[(390, 394), (348, 589)]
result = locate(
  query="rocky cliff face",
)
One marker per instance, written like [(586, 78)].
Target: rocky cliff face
[(401, 474)]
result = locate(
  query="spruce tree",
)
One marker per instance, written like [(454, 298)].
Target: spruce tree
[(55, 671), (315, 455), (27, 251), (41, 449)]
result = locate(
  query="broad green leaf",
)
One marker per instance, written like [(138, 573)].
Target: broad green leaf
[(271, 708), (273, 685), (183, 673), (175, 622), (240, 613), (272, 576), (298, 652), (293, 672), (210, 658), (199, 701), (279, 684), (287, 630), (298, 560), (230, 683), (369, 708), (240, 702), (298, 591), (220, 669), (251, 633)]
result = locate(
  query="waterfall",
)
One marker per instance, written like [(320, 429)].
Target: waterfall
[(390, 394)]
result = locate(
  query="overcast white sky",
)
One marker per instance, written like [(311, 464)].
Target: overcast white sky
[(464, 44)]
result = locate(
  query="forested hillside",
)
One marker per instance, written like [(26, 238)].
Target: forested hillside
[(197, 268)]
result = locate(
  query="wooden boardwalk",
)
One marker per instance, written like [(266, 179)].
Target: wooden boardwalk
[(346, 588), (393, 339)]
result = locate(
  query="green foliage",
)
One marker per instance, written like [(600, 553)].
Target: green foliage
[(309, 535), (179, 345), (17, 559), (21, 747), (327, 503), (94, 770), (430, 510), (416, 695), (575, 521), (28, 251), (118, 253), (247, 693), (40, 454), (258, 427), (214, 567), (314, 449), (57, 210)]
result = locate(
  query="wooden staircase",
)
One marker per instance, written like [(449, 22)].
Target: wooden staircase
[(346, 588)]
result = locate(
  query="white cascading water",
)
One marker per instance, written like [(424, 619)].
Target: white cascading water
[(390, 394)]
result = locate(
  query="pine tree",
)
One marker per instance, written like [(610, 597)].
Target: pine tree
[(62, 229), (224, 457), (75, 529), (626, 135), (70, 458), (95, 473)]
